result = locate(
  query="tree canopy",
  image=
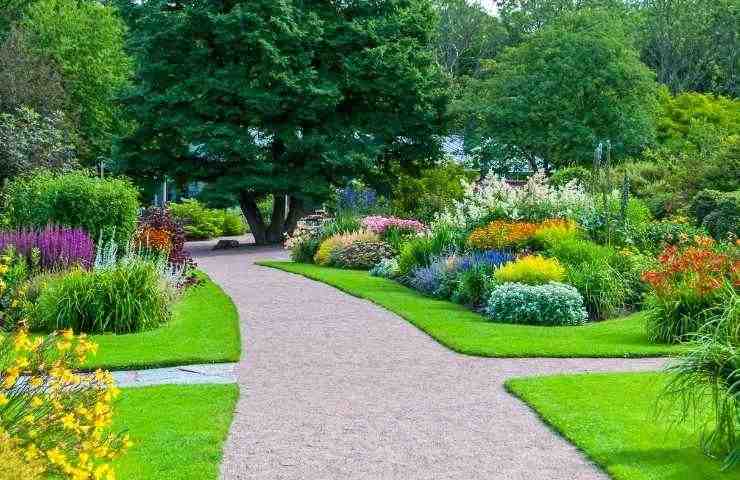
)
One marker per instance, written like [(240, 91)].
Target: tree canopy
[(85, 40), (282, 98), (572, 84)]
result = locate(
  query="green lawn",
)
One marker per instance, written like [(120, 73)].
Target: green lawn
[(178, 431), (204, 328), (613, 419), (467, 332)]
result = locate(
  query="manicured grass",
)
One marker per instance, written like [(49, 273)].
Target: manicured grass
[(614, 419), (467, 332), (178, 431), (204, 328)]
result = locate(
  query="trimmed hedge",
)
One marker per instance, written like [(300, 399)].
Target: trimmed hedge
[(100, 206)]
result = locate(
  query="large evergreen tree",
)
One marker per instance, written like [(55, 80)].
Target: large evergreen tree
[(282, 97)]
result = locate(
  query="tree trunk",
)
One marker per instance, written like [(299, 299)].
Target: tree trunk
[(286, 212), (248, 204)]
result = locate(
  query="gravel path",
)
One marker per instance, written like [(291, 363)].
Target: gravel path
[(334, 387)]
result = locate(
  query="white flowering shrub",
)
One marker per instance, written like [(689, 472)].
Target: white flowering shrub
[(537, 200), (550, 304)]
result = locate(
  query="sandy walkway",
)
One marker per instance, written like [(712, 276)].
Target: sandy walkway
[(333, 387)]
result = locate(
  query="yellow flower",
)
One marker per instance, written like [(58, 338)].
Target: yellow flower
[(36, 401), (3, 400)]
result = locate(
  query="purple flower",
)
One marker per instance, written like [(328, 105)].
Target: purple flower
[(59, 247)]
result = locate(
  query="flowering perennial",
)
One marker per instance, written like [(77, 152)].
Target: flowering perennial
[(57, 247), (381, 225), (535, 201), (502, 234), (61, 420), (696, 270)]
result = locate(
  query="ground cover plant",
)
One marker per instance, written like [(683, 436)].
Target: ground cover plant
[(468, 332), (178, 430), (615, 420)]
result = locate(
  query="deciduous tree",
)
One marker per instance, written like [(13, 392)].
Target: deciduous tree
[(282, 98)]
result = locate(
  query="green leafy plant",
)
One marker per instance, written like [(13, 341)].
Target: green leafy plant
[(100, 206), (126, 297)]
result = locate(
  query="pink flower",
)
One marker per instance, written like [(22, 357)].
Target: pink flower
[(380, 225)]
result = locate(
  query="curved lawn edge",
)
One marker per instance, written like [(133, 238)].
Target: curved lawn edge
[(469, 333), (613, 418), (204, 328)]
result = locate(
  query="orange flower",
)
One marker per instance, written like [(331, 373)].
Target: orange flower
[(154, 238)]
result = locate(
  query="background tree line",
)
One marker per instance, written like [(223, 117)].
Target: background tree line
[(287, 100)]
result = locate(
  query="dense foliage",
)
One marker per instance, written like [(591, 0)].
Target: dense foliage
[(572, 84), (201, 222), (319, 92), (103, 207), (548, 304)]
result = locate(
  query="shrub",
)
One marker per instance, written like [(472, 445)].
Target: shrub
[(532, 270), (564, 176), (127, 297), (686, 284), (551, 234), (653, 237), (160, 231), (386, 268), (360, 254), (234, 223), (341, 240), (718, 212), (56, 247), (471, 285), (549, 304), (599, 273), (101, 207), (14, 464), (62, 420), (198, 221), (425, 195)]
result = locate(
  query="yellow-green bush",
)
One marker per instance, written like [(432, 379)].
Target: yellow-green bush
[(328, 246), (531, 270), (14, 463)]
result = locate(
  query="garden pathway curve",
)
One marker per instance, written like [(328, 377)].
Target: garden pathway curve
[(335, 387)]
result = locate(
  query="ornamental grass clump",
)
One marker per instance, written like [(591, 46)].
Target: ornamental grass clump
[(684, 288), (59, 419), (129, 296), (531, 270), (341, 240), (707, 378), (549, 304)]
